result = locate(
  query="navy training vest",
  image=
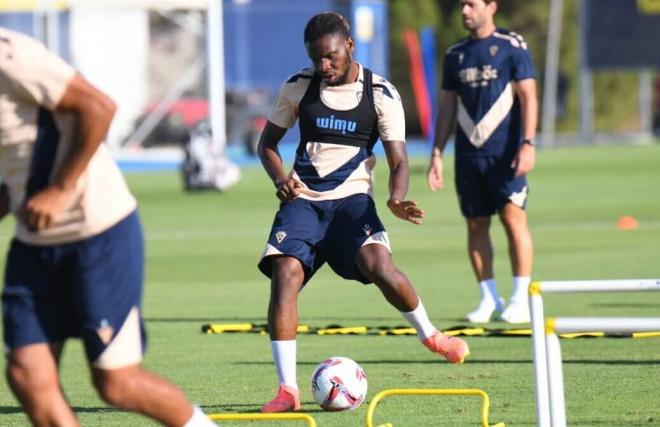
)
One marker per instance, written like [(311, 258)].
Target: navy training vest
[(357, 127)]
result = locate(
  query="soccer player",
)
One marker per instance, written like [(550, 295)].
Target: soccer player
[(488, 85), (75, 265), (327, 213)]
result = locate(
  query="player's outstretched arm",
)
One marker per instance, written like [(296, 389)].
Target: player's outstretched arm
[(397, 159)]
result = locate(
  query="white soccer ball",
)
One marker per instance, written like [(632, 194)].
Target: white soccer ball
[(339, 384)]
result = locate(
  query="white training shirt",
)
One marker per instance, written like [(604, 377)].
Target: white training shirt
[(34, 79), (327, 157)]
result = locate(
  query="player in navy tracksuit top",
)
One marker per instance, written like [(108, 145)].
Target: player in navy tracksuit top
[(327, 213), (490, 91)]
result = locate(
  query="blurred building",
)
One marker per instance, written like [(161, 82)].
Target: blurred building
[(148, 54)]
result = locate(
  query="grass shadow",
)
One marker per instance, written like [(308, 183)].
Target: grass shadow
[(8, 410)]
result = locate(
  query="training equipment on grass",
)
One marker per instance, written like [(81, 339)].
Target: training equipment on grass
[(339, 384), (432, 391), (550, 405), (627, 223), (265, 417), (454, 331)]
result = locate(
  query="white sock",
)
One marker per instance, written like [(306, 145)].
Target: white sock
[(420, 321), (284, 356), (520, 286), (199, 419), (488, 290)]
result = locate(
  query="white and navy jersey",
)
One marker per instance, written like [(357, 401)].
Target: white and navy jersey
[(482, 72), (35, 139), (339, 127)]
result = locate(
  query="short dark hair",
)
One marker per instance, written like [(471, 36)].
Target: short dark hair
[(326, 23)]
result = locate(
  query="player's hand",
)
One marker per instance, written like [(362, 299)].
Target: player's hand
[(42, 210), (525, 160), (434, 175), (288, 189), (406, 209)]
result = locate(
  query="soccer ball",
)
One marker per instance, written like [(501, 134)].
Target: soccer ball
[(339, 384)]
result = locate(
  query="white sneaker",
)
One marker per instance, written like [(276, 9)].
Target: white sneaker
[(516, 312), (484, 312)]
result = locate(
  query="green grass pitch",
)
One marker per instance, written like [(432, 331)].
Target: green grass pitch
[(202, 251)]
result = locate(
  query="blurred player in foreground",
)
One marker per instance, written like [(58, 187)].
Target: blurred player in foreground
[(488, 85), (327, 213), (75, 265)]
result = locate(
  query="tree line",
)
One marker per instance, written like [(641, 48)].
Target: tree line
[(615, 92)]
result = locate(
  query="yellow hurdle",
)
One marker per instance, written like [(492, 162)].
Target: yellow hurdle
[(265, 417), (432, 391)]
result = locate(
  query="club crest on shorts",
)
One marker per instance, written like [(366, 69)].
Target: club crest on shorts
[(105, 332), (367, 229), (280, 235)]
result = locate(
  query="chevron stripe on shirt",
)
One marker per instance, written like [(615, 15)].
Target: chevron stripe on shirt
[(336, 170), (483, 73)]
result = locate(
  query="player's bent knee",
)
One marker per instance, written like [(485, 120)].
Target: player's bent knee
[(109, 392), (25, 380), (32, 379), (115, 386), (515, 228), (478, 225), (384, 274), (287, 269)]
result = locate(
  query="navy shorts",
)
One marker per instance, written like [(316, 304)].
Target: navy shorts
[(89, 289), (486, 184), (331, 231)]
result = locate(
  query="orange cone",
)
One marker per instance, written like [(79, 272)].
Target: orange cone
[(627, 223)]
